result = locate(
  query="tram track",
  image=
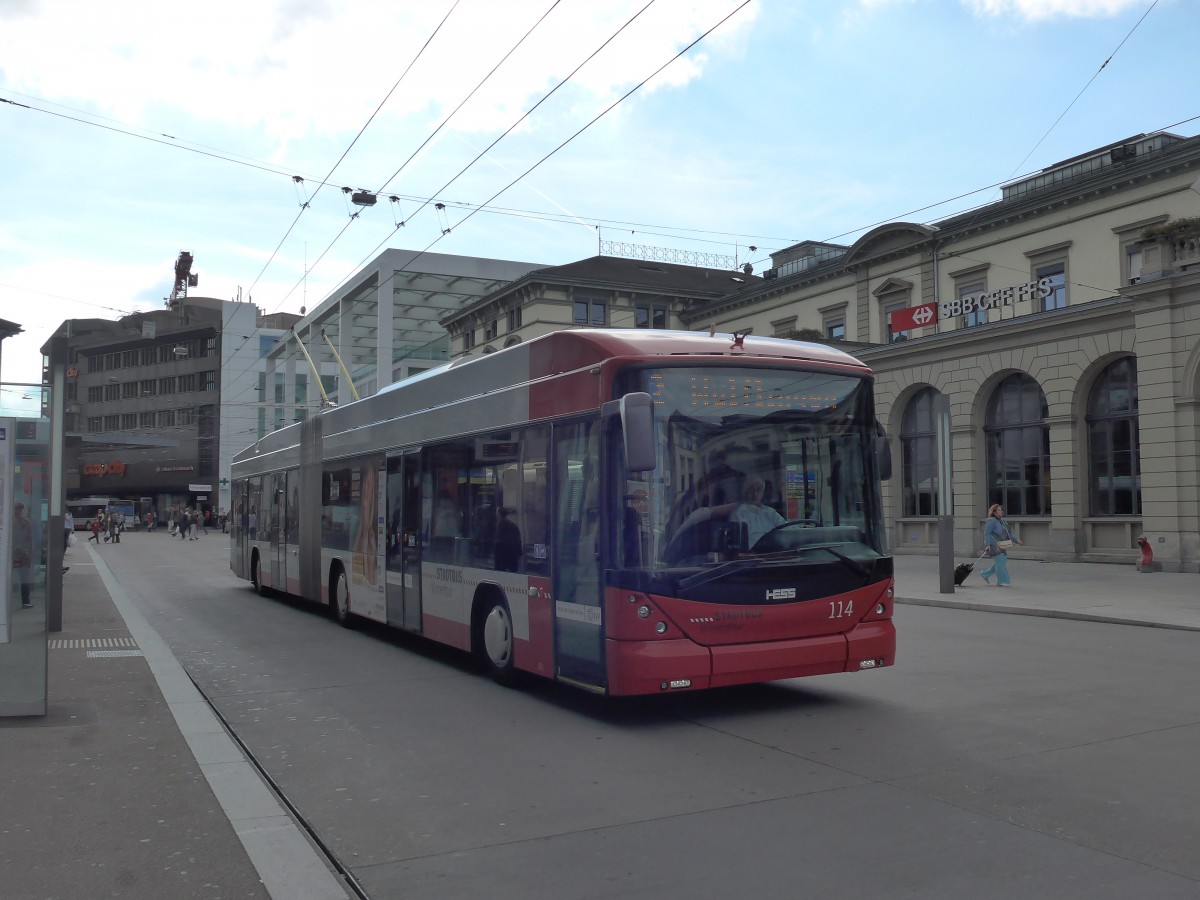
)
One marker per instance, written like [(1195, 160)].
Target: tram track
[(334, 862)]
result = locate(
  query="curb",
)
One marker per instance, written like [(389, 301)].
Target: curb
[(1044, 613)]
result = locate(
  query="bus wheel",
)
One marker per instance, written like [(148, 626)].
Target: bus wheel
[(497, 634), (256, 576), (339, 597)]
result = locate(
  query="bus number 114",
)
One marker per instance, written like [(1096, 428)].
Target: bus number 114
[(839, 609)]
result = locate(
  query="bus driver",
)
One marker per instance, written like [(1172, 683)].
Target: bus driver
[(758, 517)]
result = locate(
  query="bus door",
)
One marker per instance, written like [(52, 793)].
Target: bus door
[(289, 550), (237, 531), (578, 612), (276, 527), (403, 541)]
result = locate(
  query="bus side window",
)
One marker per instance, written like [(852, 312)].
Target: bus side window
[(449, 471), (576, 452), (534, 500)]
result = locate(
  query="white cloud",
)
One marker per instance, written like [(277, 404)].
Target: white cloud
[(319, 66), (1038, 10)]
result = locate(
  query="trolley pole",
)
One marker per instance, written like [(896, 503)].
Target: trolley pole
[(945, 493)]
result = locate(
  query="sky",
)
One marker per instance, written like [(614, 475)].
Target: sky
[(130, 131)]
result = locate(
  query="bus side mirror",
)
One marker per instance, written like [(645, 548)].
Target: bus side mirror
[(637, 426), (883, 456)]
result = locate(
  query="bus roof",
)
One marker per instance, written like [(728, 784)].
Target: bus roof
[(545, 357), (582, 346)]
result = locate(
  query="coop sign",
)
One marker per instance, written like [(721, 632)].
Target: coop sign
[(102, 469), (1007, 296)]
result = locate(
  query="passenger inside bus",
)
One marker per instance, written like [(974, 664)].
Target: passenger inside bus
[(509, 549)]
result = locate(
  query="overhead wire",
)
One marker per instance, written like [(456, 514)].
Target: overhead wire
[(1096, 75), (576, 134), (464, 100), (370, 119), (559, 147), (486, 207), (533, 108), (1063, 114), (569, 139), (308, 269)]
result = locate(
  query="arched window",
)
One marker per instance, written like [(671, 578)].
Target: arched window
[(1114, 470), (1018, 448), (918, 450)]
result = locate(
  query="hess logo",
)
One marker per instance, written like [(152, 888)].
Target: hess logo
[(781, 594)]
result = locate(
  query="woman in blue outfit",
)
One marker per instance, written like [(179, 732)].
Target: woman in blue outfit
[(996, 530)]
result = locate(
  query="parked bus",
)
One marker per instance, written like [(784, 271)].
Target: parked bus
[(84, 509), (582, 506)]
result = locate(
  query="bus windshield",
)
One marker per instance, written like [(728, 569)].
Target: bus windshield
[(755, 463)]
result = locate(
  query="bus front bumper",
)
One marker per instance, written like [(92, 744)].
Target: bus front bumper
[(654, 667)]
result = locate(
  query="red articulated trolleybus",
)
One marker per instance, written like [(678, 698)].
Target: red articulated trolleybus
[(627, 511)]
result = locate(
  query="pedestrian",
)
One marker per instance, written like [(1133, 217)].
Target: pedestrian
[(194, 519), (998, 539), (68, 529), (95, 526), (204, 523), (114, 535), (22, 553)]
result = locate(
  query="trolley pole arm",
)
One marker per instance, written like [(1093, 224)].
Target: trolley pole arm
[(325, 401), (338, 357)]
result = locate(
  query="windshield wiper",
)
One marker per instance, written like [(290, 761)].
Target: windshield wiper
[(734, 565), (859, 567)]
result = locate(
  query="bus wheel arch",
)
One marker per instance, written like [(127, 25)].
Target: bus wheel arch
[(256, 574), (339, 594), (492, 638)]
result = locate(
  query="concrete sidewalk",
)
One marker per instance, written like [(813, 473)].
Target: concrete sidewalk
[(1093, 592), (129, 786)]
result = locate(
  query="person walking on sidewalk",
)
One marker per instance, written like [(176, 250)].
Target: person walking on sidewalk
[(95, 526), (998, 540), (22, 553)]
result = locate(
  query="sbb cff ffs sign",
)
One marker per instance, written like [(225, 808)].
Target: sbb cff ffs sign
[(984, 300), (914, 317), (929, 313)]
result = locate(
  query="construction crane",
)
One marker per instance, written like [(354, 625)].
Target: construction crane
[(184, 279)]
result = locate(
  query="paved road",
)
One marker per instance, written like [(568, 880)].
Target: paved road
[(1002, 756)]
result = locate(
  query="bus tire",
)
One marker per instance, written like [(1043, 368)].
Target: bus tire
[(256, 575), (495, 640), (339, 596)]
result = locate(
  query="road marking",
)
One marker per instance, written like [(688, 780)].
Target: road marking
[(81, 643)]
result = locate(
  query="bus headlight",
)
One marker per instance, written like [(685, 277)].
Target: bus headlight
[(643, 612), (661, 627), (880, 609)]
